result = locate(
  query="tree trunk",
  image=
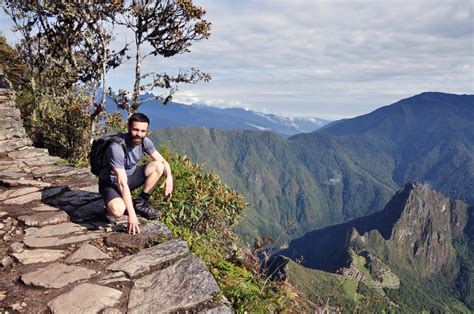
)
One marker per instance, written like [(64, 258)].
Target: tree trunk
[(100, 108), (136, 87)]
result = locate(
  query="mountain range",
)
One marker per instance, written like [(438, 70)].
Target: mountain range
[(416, 252), (175, 115), (347, 169)]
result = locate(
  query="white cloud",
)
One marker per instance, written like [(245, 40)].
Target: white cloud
[(324, 58)]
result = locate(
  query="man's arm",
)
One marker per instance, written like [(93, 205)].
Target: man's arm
[(156, 156), (122, 183)]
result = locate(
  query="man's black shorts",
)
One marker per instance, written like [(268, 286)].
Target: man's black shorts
[(110, 190)]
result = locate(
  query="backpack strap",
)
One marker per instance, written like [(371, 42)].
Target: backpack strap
[(121, 142)]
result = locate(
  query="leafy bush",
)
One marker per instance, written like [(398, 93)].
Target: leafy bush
[(204, 211)]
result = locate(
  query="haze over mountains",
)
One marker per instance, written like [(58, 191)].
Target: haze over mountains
[(175, 115), (345, 170)]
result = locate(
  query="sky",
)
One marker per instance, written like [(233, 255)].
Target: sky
[(329, 59)]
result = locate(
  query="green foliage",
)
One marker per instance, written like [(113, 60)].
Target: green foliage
[(54, 117), (203, 211), (200, 201), (322, 288)]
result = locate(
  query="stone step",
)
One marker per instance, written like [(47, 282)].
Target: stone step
[(44, 218), (7, 146), (38, 256), (57, 171), (58, 235), (42, 161), (28, 152), (8, 106), (24, 182), (28, 195), (9, 111), (7, 134), (5, 96), (86, 298), (86, 252), (183, 285), (10, 123), (151, 259), (56, 275)]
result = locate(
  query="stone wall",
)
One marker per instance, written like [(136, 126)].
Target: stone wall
[(59, 253)]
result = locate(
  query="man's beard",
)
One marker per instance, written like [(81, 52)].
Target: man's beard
[(136, 140)]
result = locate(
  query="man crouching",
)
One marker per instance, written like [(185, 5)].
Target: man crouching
[(121, 175)]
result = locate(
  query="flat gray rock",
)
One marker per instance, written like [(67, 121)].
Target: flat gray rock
[(117, 276), (33, 196), (39, 256), (57, 235), (20, 200), (155, 227), (86, 252), (12, 133), (111, 310), (44, 218), (57, 171), (10, 165), (150, 259), (85, 298), (17, 192), (23, 182), (183, 285), (17, 247), (56, 275), (45, 208), (42, 161), (12, 174), (59, 241), (28, 152), (54, 230), (11, 145)]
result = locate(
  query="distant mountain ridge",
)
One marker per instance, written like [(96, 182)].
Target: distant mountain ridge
[(175, 115), (346, 170)]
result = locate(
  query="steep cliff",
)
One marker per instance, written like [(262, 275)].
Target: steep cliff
[(417, 247)]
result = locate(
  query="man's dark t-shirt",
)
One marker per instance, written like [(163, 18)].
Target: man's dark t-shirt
[(115, 157)]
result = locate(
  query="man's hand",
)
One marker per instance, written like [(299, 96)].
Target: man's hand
[(133, 224), (168, 185)]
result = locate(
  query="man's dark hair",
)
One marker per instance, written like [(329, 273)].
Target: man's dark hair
[(138, 117)]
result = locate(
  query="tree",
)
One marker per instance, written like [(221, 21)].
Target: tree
[(65, 45), (72, 38), (167, 28), (65, 48)]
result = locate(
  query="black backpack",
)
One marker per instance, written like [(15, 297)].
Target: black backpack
[(99, 146)]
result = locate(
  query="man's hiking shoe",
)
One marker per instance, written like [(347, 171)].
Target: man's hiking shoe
[(144, 209)]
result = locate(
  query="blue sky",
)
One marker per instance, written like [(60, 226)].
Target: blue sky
[(330, 59)]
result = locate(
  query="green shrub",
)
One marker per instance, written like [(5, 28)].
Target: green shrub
[(204, 211)]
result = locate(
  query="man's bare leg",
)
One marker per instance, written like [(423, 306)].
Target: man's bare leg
[(153, 172), (116, 207)]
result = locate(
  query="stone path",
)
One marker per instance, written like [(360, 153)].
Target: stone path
[(58, 254)]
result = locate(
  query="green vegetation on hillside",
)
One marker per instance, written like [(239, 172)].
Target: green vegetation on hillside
[(336, 291), (204, 211), (347, 170)]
